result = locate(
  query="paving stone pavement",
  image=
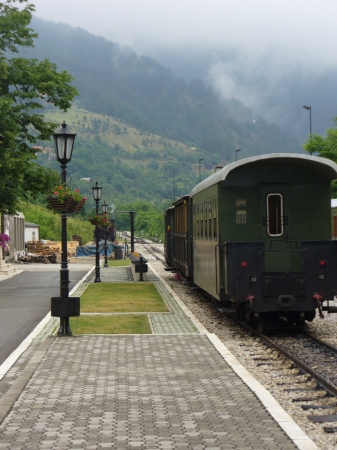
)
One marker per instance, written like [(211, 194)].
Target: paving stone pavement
[(170, 390), (138, 392)]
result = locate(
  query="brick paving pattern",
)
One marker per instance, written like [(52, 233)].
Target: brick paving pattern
[(171, 390), (138, 392)]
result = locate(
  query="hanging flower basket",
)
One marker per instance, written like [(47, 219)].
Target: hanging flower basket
[(62, 198), (69, 204), (102, 220)]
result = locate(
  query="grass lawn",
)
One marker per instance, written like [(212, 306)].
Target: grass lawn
[(119, 262), (110, 325), (122, 297)]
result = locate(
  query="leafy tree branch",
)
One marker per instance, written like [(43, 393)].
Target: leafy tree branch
[(26, 86)]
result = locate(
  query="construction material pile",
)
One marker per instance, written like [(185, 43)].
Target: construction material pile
[(47, 252)]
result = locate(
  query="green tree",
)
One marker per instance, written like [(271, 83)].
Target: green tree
[(323, 146), (26, 87), (326, 147)]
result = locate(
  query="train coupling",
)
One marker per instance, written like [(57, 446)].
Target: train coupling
[(249, 310), (330, 309), (318, 298)]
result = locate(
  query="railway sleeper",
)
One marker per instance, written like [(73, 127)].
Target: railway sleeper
[(323, 418), (307, 407)]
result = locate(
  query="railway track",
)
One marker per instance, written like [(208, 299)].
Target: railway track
[(152, 249), (149, 246), (315, 373)]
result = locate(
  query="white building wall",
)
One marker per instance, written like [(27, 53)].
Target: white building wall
[(32, 233), (14, 226)]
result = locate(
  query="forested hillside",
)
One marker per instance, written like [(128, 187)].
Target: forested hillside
[(129, 164), (142, 133), (113, 80)]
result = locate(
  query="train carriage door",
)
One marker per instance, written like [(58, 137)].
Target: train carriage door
[(275, 229)]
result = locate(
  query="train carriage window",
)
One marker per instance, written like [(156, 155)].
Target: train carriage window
[(194, 221), (205, 219), (215, 230), (198, 222), (241, 217), (209, 218), (274, 214), (201, 222), (241, 203)]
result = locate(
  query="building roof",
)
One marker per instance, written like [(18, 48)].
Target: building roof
[(31, 225)]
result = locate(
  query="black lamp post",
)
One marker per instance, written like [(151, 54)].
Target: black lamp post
[(174, 184), (174, 180), (97, 191), (105, 210), (236, 153), (61, 307), (200, 159), (308, 108)]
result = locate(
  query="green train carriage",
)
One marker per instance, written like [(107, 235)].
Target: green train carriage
[(260, 236)]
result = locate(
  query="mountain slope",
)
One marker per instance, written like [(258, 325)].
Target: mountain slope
[(113, 80)]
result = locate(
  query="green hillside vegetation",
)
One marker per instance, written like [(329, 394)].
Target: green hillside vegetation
[(141, 132), (149, 221), (114, 80), (50, 223), (127, 141), (129, 164)]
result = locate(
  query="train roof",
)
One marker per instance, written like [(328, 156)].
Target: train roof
[(326, 166)]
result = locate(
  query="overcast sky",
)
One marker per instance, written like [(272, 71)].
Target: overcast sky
[(299, 29)]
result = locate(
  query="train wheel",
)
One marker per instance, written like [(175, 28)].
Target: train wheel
[(310, 315), (249, 313), (241, 311), (300, 320), (256, 322)]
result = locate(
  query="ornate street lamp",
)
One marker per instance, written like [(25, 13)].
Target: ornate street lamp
[(64, 306), (97, 191), (105, 211)]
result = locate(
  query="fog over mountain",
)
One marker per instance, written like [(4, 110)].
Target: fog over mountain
[(275, 57), (272, 86)]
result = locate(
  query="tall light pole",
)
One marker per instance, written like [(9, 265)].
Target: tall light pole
[(105, 211), (308, 108), (174, 184), (200, 159), (97, 191), (63, 306), (132, 226), (236, 153), (174, 180)]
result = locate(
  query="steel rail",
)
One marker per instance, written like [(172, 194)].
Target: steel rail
[(300, 364), (322, 343)]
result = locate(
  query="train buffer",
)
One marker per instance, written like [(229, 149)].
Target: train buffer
[(330, 309), (138, 265)]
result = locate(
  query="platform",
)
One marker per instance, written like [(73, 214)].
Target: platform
[(179, 388)]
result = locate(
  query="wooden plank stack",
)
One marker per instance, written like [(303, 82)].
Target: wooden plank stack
[(47, 251)]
